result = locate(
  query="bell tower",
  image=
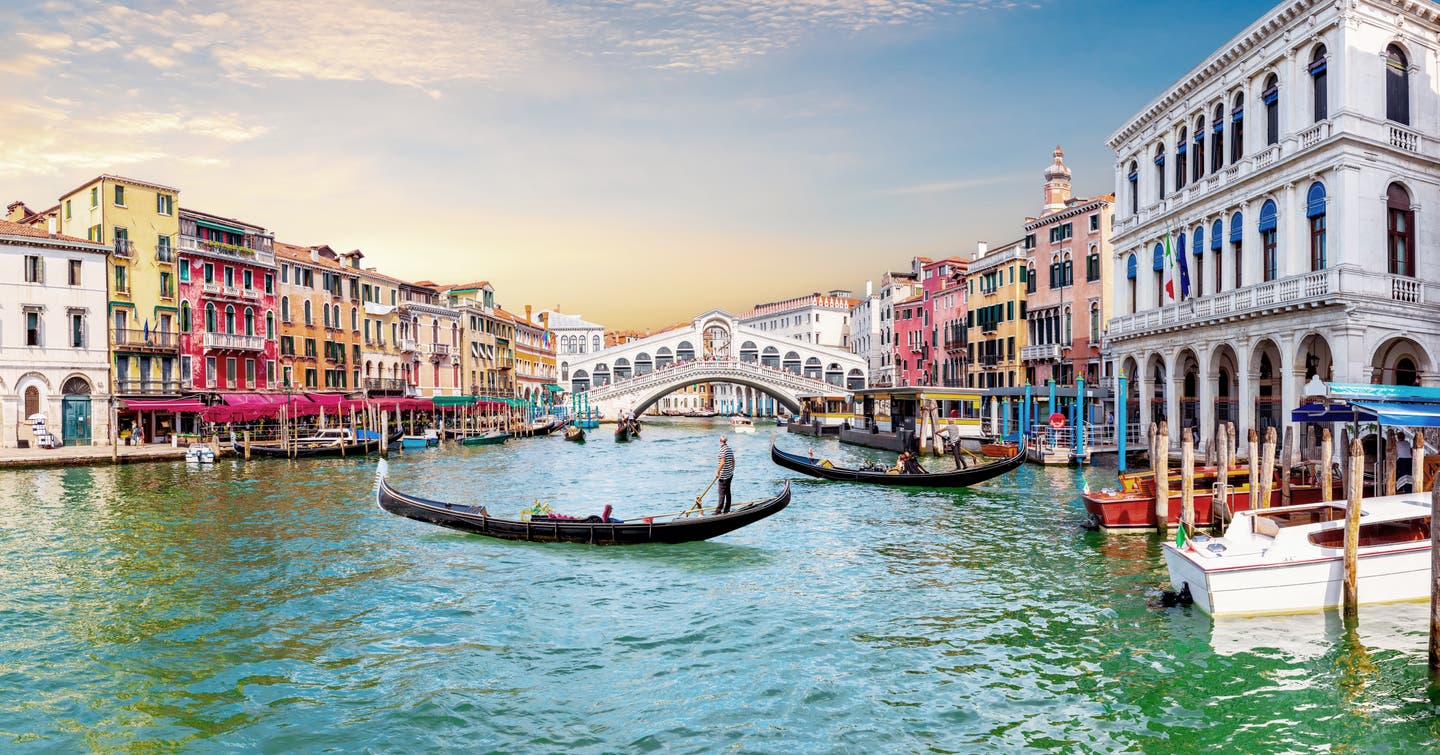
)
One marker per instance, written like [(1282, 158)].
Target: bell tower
[(1057, 183)]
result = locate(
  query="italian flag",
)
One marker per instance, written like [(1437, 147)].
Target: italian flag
[(1169, 267)]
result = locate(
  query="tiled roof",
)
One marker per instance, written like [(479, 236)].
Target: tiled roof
[(8, 228), (122, 179)]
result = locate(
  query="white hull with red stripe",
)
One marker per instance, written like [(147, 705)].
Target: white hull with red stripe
[(1291, 559)]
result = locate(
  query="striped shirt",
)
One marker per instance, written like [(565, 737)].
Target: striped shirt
[(727, 462)]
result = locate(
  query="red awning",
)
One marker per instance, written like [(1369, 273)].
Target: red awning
[(164, 405)]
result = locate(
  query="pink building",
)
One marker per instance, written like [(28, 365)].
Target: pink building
[(227, 304), (920, 343), (1069, 286)]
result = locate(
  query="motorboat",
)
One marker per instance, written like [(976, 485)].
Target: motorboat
[(740, 424), (1131, 508), (490, 438), (1291, 559), (199, 453)]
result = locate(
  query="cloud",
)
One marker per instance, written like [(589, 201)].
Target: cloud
[(961, 184)]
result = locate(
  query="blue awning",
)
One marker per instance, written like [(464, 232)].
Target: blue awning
[(1180, 150), (1237, 116), (1130, 267), (1216, 231), (1200, 135), (1219, 127), (1317, 67), (1315, 200), (1393, 414), (1199, 240), (1237, 227), (1269, 216), (1413, 394), (1159, 257), (1160, 159), (1134, 176), (1270, 96)]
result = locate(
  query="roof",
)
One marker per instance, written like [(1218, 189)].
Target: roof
[(222, 218), (562, 321), (302, 254), (8, 228), (122, 179), (477, 285), (911, 300)]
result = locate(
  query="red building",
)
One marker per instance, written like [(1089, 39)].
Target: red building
[(227, 280), (920, 339)]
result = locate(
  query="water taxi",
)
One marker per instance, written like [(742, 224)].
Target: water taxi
[(742, 425), (1132, 507)]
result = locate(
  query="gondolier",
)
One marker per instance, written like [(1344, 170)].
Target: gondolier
[(724, 474)]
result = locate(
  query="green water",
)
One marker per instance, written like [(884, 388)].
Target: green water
[(270, 606)]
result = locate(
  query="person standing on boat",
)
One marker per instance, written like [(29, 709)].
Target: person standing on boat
[(952, 435), (724, 475)]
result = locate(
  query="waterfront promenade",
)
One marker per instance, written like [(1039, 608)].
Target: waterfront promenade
[(11, 458)]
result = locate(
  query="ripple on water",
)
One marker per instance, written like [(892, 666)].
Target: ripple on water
[(272, 606)]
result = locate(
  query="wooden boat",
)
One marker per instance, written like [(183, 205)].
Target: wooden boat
[(1291, 559), (338, 442), (742, 425), (958, 478), (413, 441), (575, 433), (999, 449), (544, 426), (491, 438), (622, 433), (474, 519), (1132, 507)]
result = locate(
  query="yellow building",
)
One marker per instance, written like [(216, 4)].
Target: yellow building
[(995, 318), (140, 222), (488, 340), (535, 372)]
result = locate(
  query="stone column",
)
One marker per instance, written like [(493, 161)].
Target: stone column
[(1141, 382), (1205, 395), (1290, 382), (1246, 389), (1174, 386), (1294, 243)]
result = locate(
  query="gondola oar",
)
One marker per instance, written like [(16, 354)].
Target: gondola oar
[(700, 507)]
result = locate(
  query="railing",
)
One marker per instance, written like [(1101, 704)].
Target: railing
[(385, 385), (234, 341), (193, 244), (1041, 352), (164, 253), (132, 387), (124, 248), (1405, 139), (718, 369), (134, 338), (437, 349), (409, 344), (229, 292), (1346, 280), (1314, 135), (1267, 157)]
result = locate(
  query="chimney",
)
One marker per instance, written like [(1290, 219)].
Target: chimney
[(50, 221), (527, 313), (981, 248), (869, 289), (545, 320)]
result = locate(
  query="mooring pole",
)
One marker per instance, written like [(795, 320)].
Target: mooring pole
[(1285, 469), (1327, 484), (1267, 470), (1434, 581), (1162, 478), (1354, 483), (1254, 469), (1122, 406), (1187, 483)]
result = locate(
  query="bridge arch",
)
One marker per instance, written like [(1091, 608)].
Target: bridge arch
[(650, 398)]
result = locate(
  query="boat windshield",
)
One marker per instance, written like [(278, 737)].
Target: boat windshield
[(1307, 515), (1393, 532)]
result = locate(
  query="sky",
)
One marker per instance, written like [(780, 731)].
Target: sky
[(633, 162)]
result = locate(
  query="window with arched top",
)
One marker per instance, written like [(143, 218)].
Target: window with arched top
[(1133, 178), (1269, 236), (209, 318), (1400, 231), (1237, 234), (184, 317), (230, 318), (309, 313), (1237, 128), (32, 401), (1197, 252), (270, 325), (249, 322), (1217, 138), (285, 309), (1270, 97), (1397, 85), (1319, 84), (1181, 145), (1315, 217), (1217, 230), (1199, 159), (1160, 169)]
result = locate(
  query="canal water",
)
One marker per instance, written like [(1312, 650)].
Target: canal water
[(271, 606)]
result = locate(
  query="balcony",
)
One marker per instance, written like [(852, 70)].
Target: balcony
[(228, 251), (385, 385), (1404, 138), (438, 349), (133, 339), (133, 387), (229, 292), (234, 342), (164, 253), (1335, 285), (1048, 352), (408, 345), (124, 248)]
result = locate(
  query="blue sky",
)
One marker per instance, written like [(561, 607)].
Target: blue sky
[(636, 162)]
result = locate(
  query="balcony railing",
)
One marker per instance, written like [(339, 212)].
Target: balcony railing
[(234, 341), (385, 385), (193, 244), (1403, 138), (229, 292), (124, 248), (164, 253), (132, 339), (438, 349), (133, 387), (1047, 352), (409, 344), (1347, 282)]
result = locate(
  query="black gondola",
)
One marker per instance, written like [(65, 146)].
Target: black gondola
[(308, 450), (473, 519), (575, 433), (958, 478), (622, 433)]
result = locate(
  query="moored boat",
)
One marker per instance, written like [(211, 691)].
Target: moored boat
[(491, 438), (622, 432), (596, 530), (958, 478), (575, 433), (1132, 507), (740, 424), (332, 442), (199, 453), (1291, 559)]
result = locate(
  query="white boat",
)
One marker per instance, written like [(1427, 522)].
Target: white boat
[(1291, 559), (199, 453), (742, 425)]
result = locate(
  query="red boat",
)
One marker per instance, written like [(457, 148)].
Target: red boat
[(1132, 508)]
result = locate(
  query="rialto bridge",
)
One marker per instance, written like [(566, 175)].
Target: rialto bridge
[(713, 348)]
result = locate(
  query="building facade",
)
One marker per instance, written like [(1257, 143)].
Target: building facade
[(821, 319), (228, 326), (54, 357), (573, 335), (535, 368), (139, 221), (865, 329), (384, 363), (1069, 281), (320, 342), (995, 285), (895, 286), (488, 361), (1287, 183)]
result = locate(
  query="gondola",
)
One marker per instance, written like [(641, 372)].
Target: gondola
[(622, 432), (309, 449), (958, 478), (475, 520), (575, 433), (492, 438)]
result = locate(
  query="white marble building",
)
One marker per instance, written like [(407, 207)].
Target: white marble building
[(1295, 169), (574, 336), (872, 321), (821, 319), (54, 353)]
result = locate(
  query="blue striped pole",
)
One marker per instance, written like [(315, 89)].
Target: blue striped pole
[(1080, 418), (1121, 408)]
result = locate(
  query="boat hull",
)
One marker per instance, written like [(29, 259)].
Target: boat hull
[(1135, 512), (957, 479), (485, 440)]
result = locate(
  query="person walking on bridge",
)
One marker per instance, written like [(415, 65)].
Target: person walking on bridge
[(724, 475)]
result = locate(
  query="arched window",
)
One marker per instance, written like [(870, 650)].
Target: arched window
[(1400, 231), (249, 321), (1405, 372), (1217, 230), (270, 325), (1269, 251), (1199, 159), (1397, 85), (1160, 169), (285, 309), (32, 401), (1217, 138), (325, 313), (1134, 178), (1319, 91), (1237, 129), (309, 313), (230, 318), (1159, 265), (1197, 251), (1181, 145), (209, 318), (184, 317), (1271, 97), (1069, 333), (1237, 233), (354, 318), (1068, 271), (1315, 212), (1094, 323), (1130, 270), (596, 346), (1092, 265)]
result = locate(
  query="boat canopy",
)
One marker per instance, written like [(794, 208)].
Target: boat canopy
[(164, 405), (1398, 405)]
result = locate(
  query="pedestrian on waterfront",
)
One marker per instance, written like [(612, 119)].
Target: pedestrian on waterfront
[(724, 475)]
